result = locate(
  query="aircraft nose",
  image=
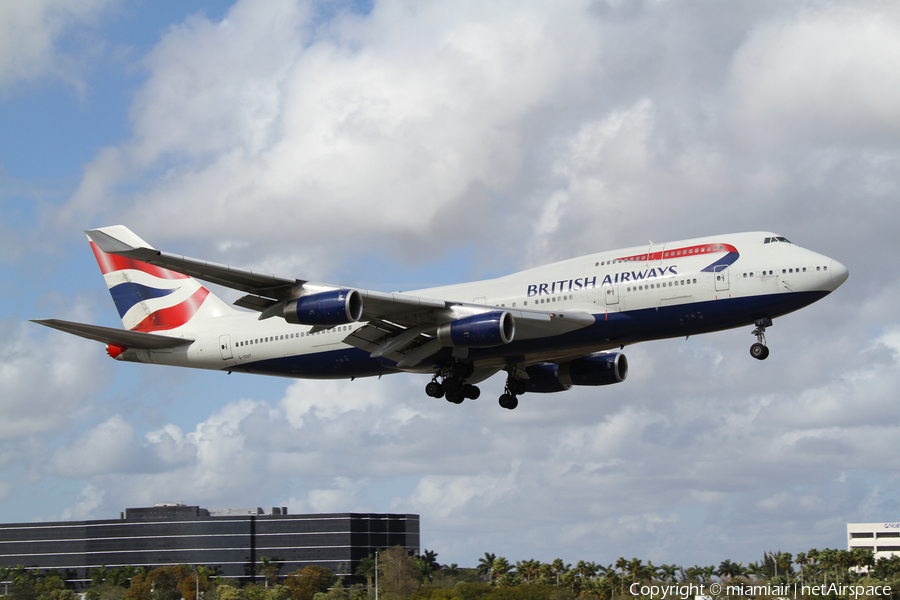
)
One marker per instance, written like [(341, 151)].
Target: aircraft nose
[(839, 274)]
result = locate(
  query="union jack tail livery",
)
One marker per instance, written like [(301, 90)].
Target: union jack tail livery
[(151, 298)]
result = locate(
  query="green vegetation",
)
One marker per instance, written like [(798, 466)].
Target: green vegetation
[(812, 574)]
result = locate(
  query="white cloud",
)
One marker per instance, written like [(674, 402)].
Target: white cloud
[(89, 501), (46, 380), (369, 126), (106, 449), (826, 75), (29, 37)]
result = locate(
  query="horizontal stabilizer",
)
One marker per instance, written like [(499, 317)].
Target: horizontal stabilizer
[(116, 337)]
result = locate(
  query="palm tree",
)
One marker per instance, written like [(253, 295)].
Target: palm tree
[(424, 567), (98, 575), (586, 569), (728, 569), (528, 568), (117, 577), (4, 573), (451, 569), (801, 560), (269, 568), (559, 568), (500, 567), (669, 572), (826, 559), (695, 572), (622, 564), (545, 572), (843, 560), (366, 569), (486, 564), (430, 557), (634, 567), (863, 558), (22, 576), (755, 570)]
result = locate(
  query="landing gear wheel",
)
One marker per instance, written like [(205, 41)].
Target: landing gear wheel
[(759, 352), (452, 385), (435, 390), (455, 397), (471, 392), (515, 386), (509, 401)]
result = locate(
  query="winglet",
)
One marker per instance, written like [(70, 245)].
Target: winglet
[(116, 239)]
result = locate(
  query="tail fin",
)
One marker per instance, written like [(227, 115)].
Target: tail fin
[(151, 298)]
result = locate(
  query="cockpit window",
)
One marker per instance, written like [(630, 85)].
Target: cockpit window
[(772, 240)]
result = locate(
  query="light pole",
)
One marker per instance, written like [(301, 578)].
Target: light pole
[(376, 575)]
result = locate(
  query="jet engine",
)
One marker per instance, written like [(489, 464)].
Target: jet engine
[(338, 307), (599, 369), (478, 331)]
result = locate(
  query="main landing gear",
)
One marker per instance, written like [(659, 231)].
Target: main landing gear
[(451, 383), (759, 350), (454, 385), (514, 387)]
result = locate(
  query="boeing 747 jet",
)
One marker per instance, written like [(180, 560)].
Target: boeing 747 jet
[(548, 328)]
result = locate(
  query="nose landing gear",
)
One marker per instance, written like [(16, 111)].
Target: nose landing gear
[(759, 350)]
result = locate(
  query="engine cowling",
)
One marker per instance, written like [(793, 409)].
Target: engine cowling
[(337, 307), (600, 369), (544, 379), (478, 331)]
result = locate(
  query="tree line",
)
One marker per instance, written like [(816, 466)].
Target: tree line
[(402, 576)]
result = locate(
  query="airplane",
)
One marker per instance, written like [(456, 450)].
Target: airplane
[(548, 328)]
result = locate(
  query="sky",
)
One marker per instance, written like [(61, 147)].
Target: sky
[(399, 144)]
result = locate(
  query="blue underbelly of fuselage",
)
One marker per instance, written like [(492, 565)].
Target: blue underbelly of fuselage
[(616, 328)]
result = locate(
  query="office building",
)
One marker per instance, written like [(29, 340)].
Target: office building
[(231, 541), (882, 538)]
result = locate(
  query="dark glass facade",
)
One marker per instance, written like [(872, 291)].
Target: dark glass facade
[(230, 541)]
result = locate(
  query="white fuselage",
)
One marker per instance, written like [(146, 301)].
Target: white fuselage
[(635, 294)]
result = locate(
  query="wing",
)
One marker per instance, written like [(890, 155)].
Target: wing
[(400, 327), (116, 337)]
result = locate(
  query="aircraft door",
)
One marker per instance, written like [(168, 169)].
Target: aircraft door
[(655, 254), (225, 346), (612, 294), (721, 273)]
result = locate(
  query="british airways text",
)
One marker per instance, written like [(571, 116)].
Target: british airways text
[(585, 283)]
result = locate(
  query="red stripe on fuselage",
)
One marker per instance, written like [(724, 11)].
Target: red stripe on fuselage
[(174, 316), (109, 263), (680, 252)]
